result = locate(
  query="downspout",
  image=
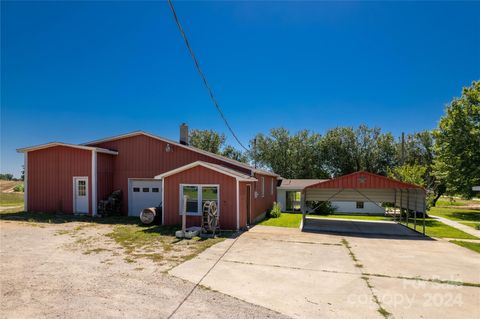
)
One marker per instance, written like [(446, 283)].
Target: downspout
[(94, 183), (238, 203), (25, 182)]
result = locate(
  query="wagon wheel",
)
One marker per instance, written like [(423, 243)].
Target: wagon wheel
[(212, 217)]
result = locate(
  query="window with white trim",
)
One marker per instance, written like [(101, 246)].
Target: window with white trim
[(197, 195), (263, 186), (360, 205), (271, 186)]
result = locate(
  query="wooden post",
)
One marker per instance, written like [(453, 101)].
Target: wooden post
[(184, 215)]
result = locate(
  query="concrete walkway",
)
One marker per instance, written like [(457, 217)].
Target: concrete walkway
[(467, 229)]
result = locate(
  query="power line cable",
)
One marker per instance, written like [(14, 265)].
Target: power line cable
[(202, 76)]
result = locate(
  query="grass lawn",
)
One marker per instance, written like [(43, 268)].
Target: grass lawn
[(456, 214), (359, 217), (472, 246), (285, 220), (434, 228), (11, 199)]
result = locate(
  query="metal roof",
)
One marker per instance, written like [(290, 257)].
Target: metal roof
[(299, 183), (363, 180), (52, 144), (218, 168), (220, 157)]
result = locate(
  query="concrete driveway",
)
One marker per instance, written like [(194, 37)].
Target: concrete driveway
[(312, 275)]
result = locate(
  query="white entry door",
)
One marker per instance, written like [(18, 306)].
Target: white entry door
[(80, 195), (143, 194)]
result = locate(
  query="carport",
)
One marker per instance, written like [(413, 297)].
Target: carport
[(368, 187)]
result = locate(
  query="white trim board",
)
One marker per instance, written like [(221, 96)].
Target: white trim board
[(94, 183), (25, 182)]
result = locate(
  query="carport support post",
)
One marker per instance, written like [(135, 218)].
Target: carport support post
[(408, 207), (424, 212), (401, 203), (395, 205), (415, 216)]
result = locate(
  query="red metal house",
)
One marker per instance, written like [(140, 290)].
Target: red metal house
[(72, 178)]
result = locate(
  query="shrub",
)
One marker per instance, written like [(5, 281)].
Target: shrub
[(19, 188), (276, 211), (323, 208)]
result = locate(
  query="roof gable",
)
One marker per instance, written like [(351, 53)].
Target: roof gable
[(215, 167), (363, 180), (188, 147), (53, 144)]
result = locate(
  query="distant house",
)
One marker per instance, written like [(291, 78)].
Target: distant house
[(289, 196), (72, 178), (476, 188)]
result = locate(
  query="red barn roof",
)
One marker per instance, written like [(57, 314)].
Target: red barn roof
[(363, 180)]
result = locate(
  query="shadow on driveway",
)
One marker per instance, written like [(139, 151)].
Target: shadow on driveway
[(360, 228)]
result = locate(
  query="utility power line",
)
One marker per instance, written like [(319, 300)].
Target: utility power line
[(202, 76)]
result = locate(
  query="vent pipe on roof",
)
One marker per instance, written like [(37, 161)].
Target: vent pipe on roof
[(184, 134)]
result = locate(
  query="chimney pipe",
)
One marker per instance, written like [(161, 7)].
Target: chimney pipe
[(184, 134)]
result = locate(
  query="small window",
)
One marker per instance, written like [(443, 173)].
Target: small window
[(82, 188), (136, 189), (155, 190), (360, 205), (146, 189), (271, 186)]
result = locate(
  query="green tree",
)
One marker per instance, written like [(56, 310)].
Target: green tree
[(345, 150), (291, 156), (231, 152), (214, 142), (6, 176), (409, 173), (207, 140), (457, 147)]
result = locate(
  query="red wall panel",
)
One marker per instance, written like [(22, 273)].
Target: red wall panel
[(105, 165), (142, 156), (200, 175), (50, 177), (263, 204)]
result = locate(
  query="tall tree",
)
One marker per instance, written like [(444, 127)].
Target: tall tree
[(457, 148), (291, 156), (231, 152), (214, 142), (345, 150), (207, 140)]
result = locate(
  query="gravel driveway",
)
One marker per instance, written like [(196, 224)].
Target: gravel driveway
[(44, 274)]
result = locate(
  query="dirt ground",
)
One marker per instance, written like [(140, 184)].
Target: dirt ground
[(63, 270)]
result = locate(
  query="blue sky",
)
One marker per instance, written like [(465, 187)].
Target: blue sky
[(78, 71)]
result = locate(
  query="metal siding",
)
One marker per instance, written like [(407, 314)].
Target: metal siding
[(105, 164), (262, 204), (145, 157), (200, 175), (50, 178)]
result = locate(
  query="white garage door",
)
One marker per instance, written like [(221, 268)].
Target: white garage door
[(144, 194)]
